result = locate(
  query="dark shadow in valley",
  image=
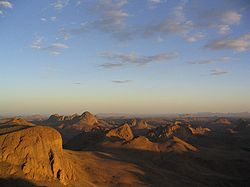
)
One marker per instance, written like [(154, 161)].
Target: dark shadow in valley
[(15, 182)]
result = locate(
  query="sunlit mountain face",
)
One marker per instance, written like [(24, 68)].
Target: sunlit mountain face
[(124, 56)]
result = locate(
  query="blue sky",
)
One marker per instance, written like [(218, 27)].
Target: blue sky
[(124, 56)]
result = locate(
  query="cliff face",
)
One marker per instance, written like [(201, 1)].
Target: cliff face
[(36, 153)]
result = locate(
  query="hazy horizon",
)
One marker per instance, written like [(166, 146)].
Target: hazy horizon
[(124, 56)]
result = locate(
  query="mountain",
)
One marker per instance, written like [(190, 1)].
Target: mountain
[(163, 133), (18, 121), (123, 132)]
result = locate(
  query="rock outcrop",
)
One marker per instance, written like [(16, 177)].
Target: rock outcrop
[(18, 121), (35, 152), (199, 130), (222, 121), (123, 132), (163, 133)]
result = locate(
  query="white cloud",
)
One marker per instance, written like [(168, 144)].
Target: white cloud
[(60, 4), (5, 4), (56, 46), (239, 44), (155, 1), (55, 53), (43, 19)]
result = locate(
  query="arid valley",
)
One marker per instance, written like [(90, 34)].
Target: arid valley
[(87, 150)]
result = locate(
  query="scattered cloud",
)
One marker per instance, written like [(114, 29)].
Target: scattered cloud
[(60, 4), (217, 72), (121, 81), (201, 62), (155, 3), (43, 19), (5, 4), (111, 65), (56, 46), (177, 23), (210, 61), (111, 18), (53, 49), (230, 17), (239, 44), (159, 39), (53, 18), (221, 20), (120, 59), (194, 37), (37, 42)]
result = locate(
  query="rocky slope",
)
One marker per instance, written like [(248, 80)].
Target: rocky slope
[(123, 132), (36, 154)]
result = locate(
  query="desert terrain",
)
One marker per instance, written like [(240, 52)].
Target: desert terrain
[(87, 150)]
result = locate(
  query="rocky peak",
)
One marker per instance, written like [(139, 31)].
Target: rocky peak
[(88, 118), (122, 132)]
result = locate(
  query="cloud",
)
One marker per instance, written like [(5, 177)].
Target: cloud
[(176, 23), (221, 20), (239, 44), (43, 19), (210, 61), (108, 17), (111, 65), (111, 18), (230, 17), (195, 37), (121, 59), (201, 62), (37, 43), (121, 81), (217, 72), (53, 49), (154, 3), (60, 4), (5, 4)]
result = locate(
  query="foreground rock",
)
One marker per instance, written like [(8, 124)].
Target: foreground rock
[(35, 153)]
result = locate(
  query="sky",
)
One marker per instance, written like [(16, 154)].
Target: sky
[(124, 56)]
